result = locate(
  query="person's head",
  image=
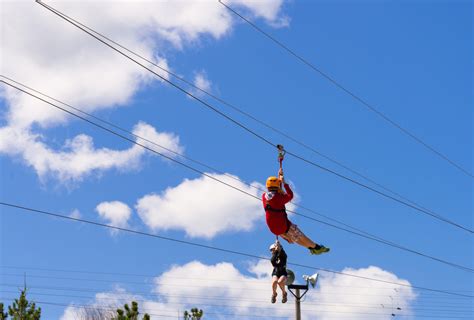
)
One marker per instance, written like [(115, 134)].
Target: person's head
[(275, 246), (273, 184)]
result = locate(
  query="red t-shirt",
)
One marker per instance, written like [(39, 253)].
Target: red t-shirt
[(277, 221)]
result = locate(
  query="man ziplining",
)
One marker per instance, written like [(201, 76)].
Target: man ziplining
[(274, 201)]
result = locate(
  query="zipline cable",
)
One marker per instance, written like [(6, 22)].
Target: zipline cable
[(257, 135), (180, 154), (246, 114), (364, 234), (350, 93), (209, 247), (188, 158)]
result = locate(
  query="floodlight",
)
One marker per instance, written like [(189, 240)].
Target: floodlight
[(311, 279), (290, 278)]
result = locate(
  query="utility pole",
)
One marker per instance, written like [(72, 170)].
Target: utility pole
[(298, 296), (297, 287)]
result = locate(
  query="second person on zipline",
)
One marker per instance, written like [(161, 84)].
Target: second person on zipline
[(274, 201)]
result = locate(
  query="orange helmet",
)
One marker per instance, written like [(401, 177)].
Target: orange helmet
[(273, 183)]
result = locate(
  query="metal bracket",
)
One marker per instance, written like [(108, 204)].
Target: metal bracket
[(298, 287)]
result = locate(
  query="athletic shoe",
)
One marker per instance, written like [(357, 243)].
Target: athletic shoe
[(285, 297), (274, 298), (318, 249)]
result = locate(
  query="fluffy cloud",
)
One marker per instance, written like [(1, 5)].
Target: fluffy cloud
[(339, 295), (266, 9), (76, 214), (202, 82), (44, 52), (115, 213), (79, 157), (202, 207), (223, 289)]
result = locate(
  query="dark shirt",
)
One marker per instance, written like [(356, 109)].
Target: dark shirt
[(279, 263)]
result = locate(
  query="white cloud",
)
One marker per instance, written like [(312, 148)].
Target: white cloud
[(219, 284), (266, 9), (339, 295), (46, 53), (79, 157), (335, 297), (76, 214), (260, 269), (222, 288), (116, 213), (202, 82), (202, 207)]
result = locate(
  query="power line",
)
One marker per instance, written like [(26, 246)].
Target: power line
[(209, 247), (214, 299), (255, 134), (147, 310), (153, 277), (235, 108), (194, 278), (87, 307), (236, 306), (179, 284), (349, 92), (176, 153), (359, 232)]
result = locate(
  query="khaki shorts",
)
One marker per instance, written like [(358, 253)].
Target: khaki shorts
[(293, 234)]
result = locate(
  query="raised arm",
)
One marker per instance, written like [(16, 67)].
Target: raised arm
[(274, 258), (289, 193), (283, 258)]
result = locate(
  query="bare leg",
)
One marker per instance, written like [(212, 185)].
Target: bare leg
[(284, 236), (282, 283), (306, 242), (274, 284), (296, 235), (274, 288), (301, 238)]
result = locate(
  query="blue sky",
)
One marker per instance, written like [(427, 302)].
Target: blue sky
[(412, 60)]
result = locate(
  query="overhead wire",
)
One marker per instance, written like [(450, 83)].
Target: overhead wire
[(456, 309), (149, 311), (89, 307), (362, 234), (237, 306), (200, 163), (252, 132), (194, 278), (239, 110), (270, 143), (210, 247), (119, 295), (347, 91), (190, 283), (220, 298)]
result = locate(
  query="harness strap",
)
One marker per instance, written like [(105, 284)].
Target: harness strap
[(269, 208)]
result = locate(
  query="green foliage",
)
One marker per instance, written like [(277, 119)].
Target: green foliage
[(22, 309), (3, 315), (195, 314), (130, 313)]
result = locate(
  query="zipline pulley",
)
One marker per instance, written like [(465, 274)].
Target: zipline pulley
[(281, 154)]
